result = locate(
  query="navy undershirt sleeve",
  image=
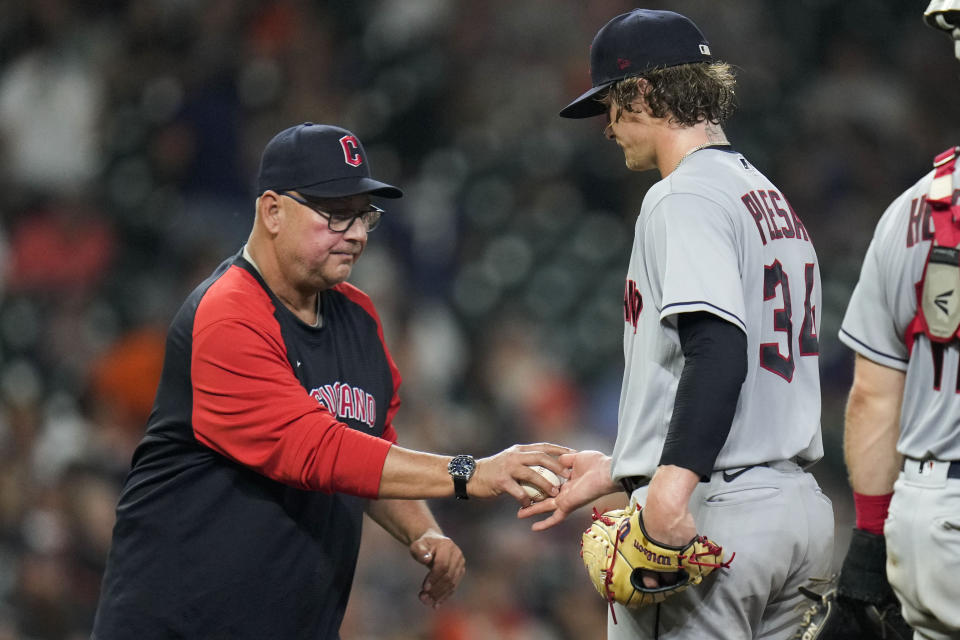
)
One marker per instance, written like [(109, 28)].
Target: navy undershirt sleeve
[(715, 366)]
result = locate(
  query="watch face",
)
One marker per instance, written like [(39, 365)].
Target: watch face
[(462, 466)]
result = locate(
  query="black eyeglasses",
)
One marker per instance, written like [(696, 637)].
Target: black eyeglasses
[(341, 221)]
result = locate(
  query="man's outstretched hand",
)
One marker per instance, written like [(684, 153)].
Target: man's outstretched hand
[(588, 479)]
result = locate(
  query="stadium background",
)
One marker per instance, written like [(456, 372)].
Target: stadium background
[(129, 136)]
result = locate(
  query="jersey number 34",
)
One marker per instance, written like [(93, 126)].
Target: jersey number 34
[(771, 358)]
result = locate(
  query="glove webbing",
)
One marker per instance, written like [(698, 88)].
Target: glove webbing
[(712, 550)]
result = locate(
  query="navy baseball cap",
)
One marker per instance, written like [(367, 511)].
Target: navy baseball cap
[(319, 160), (633, 43)]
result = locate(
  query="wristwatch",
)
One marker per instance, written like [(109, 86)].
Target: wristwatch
[(461, 469)]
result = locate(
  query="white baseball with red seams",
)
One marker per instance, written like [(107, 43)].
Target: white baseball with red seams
[(535, 493)]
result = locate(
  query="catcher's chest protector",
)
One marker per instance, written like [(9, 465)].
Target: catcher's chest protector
[(938, 292)]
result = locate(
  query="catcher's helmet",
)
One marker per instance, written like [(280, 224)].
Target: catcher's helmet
[(945, 15)]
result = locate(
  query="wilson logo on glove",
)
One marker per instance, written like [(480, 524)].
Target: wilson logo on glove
[(662, 560), (616, 549)]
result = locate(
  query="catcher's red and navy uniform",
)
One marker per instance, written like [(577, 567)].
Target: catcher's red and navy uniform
[(241, 515)]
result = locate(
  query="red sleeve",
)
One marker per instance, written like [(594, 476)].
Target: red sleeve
[(249, 406), (361, 299)]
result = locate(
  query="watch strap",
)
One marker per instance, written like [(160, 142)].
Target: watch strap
[(461, 469), (460, 488)]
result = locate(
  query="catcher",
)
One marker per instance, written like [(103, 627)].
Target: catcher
[(720, 404), (902, 428)]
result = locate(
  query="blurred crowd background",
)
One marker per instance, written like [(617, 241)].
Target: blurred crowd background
[(129, 137)]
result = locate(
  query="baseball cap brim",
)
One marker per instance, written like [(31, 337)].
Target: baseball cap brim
[(587, 105), (351, 186)]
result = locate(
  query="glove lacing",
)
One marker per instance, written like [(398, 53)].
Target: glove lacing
[(608, 572), (712, 549)]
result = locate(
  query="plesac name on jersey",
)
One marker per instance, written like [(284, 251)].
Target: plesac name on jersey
[(345, 401), (772, 213)]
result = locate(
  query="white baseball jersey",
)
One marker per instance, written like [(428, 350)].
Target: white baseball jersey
[(883, 304), (716, 235)]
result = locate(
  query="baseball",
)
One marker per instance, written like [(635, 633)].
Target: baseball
[(534, 492)]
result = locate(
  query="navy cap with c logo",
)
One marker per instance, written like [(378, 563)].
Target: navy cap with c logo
[(319, 160)]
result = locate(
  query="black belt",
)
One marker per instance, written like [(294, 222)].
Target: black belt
[(953, 471), (632, 483)]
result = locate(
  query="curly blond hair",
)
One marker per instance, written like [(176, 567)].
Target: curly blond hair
[(688, 93)]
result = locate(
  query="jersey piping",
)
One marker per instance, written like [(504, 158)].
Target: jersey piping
[(849, 336), (702, 303)]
